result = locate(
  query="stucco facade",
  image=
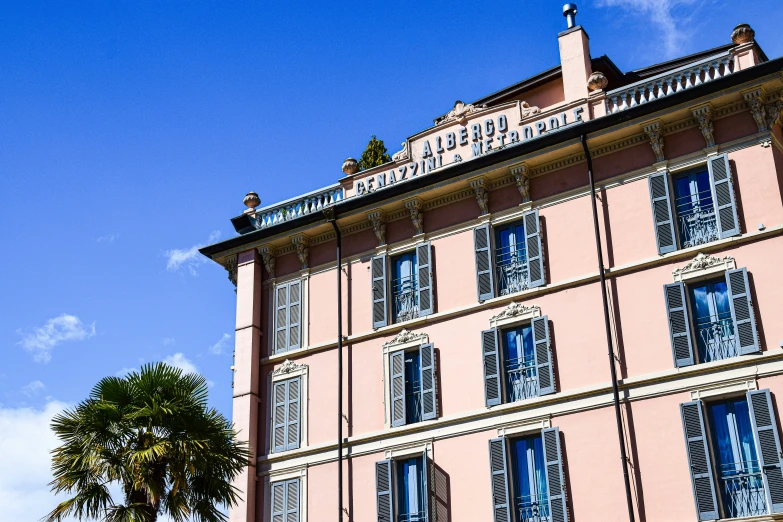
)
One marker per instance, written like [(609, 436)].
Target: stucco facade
[(724, 114)]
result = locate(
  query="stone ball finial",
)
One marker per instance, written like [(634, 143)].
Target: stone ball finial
[(596, 81), (350, 166), (743, 33), (251, 201)]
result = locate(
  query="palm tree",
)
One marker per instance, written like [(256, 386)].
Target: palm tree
[(152, 434)]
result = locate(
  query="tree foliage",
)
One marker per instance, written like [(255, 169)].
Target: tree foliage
[(374, 154), (152, 433)]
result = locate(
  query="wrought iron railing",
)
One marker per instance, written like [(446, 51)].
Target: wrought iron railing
[(717, 338), (293, 208), (413, 403), (742, 490), (511, 269), (418, 516), (696, 220), (521, 380), (533, 508), (405, 300)]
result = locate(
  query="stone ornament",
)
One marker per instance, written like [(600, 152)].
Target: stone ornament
[(251, 201), (302, 244), (743, 33), (756, 106), (405, 337), (653, 132), (482, 195), (403, 154), (703, 117), (526, 110), (288, 366), (774, 112), (459, 113), (414, 206), (378, 220), (521, 175), (350, 166), (516, 310), (597, 81), (267, 254), (231, 267), (702, 262)]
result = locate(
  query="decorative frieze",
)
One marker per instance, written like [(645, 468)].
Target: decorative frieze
[(231, 267), (703, 263), (302, 244), (653, 130), (521, 175), (287, 367), (378, 219), (703, 116), (406, 337), (754, 98), (267, 253), (479, 186), (414, 206), (516, 310)]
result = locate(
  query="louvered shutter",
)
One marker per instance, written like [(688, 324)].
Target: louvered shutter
[(279, 421), (679, 324), (662, 212), (397, 388), (293, 411), (543, 355), (383, 489), (699, 461), (429, 404), (425, 487), (278, 502), (498, 468), (493, 388), (723, 196), (484, 279), (765, 429), (424, 276), (553, 464), (292, 500), (535, 255), (379, 310), (281, 318), (742, 311), (294, 314)]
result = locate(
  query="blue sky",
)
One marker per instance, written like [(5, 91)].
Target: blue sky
[(130, 132)]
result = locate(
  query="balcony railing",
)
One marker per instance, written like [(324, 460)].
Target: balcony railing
[(411, 517), (521, 381), (743, 491), (511, 269), (405, 301), (670, 82), (717, 339), (293, 208), (533, 508), (696, 221)]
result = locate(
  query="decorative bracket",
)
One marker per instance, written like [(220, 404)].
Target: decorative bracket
[(704, 264), (403, 154), (378, 219), (754, 99), (774, 112), (267, 253), (414, 206), (703, 116), (302, 244), (653, 131), (482, 195), (521, 174), (231, 267)]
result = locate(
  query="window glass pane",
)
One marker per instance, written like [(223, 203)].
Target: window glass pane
[(712, 321), (519, 363), (405, 304), (510, 258), (410, 490), (412, 387), (694, 209), (530, 488)]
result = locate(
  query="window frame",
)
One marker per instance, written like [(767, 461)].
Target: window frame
[(304, 316), (406, 342), (393, 319), (287, 371), (284, 476)]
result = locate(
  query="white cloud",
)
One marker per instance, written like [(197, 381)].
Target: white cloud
[(178, 360), (41, 341), (33, 388), (169, 341), (108, 238), (122, 372), (221, 346), (188, 258)]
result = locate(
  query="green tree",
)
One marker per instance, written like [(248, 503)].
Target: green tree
[(152, 434), (375, 154)]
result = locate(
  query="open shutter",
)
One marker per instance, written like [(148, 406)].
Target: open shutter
[(553, 464), (397, 388), (294, 314), (281, 318), (699, 461), (535, 256), (543, 355), (679, 324), (292, 500), (742, 311), (491, 356), (765, 429), (723, 196), (429, 404), (278, 502), (425, 487), (383, 489), (279, 421), (484, 279), (662, 212), (498, 468), (424, 276), (379, 311), (292, 413)]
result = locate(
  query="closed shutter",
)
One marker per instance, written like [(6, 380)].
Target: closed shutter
[(662, 212), (484, 279), (498, 468), (397, 388), (279, 421), (278, 502), (294, 314), (535, 255), (425, 487), (553, 464), (281, 318), (379, 311), (742, 311), (699, 460), (491, 357), (765, 428), (679, 324), (723, 196), (285, 501), (293, 410), (383, 489), (424, 276), (543, 355), (429, 403)]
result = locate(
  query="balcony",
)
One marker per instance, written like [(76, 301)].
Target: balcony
[(716, 339), (742, 489), (405, 302), (533, 508), (521, 381), (293, 208), (696, 221), (418, 516), (511, 269)]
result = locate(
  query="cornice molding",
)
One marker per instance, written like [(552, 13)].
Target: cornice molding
[(703, 264), (289, 366)]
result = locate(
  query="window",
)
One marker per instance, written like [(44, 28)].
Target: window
[(511, 259), (288, 316), (405, 299), (286, 416), (285, 501), (714, 315), (411, 286), (413, 385), (739, 437), (402, 489), (517, 362), (702, 210)]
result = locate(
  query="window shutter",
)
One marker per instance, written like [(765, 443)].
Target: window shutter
[(662, 212), (281, 318), (425, 487), (279, 421), (293, 411), (679, 324), (553, 464), (765, 428), (292, 500), (484, 279), (379, 311), (498, 468), (543, 355), (491, 357), (294, 314), (742, 311), (699, 461), (383, 489), (278, 502), (397, 388), (429, 403), (723, 196), (535, 256), (424, 276)]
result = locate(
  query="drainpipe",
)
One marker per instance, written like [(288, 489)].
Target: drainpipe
[(615, 391)]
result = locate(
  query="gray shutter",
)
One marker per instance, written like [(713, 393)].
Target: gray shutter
[(292, 500), (281, 318), (543, 355), (383, 489), (484, 279), (723, 196), (679, 324), (765, 429), (553, 464), (293, 411), (699, 461), (429, 404), (278, 502), (397, 372), (279, 421), (742, 311), (535, 255), (294, 314), (498, 468), (424, 279), (662, 212), (425, 487), (493, 388), (379, 311)]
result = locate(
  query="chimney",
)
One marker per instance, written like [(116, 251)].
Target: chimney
[(574, 57)]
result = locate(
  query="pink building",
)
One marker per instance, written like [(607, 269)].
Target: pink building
[(476, 378)]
